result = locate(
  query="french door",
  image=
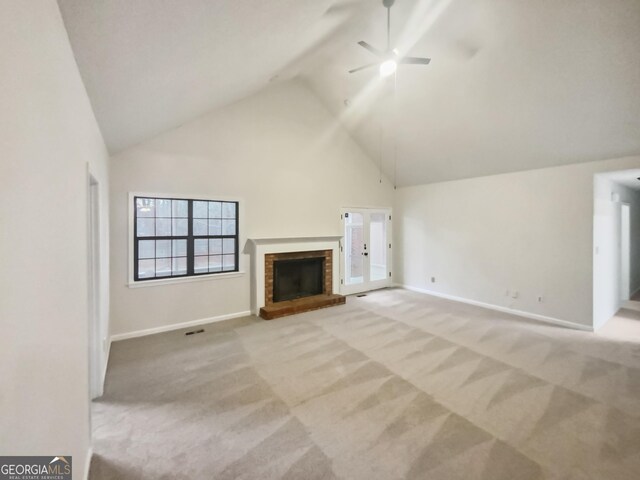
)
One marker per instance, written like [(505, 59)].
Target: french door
[(365, 250)]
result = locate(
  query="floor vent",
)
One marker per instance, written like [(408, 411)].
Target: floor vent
[(195, 331)]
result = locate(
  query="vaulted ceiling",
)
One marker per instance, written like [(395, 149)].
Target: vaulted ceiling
[(513, 84)]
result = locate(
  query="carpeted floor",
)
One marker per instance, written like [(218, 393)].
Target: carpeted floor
[(392, 385)]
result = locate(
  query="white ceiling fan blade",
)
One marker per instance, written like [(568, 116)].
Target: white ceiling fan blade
[(340, 8), (372, 49), (363, 67), (415, 61)]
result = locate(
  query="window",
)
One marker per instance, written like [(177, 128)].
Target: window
[(175, 237)]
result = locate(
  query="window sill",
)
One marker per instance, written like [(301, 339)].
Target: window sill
[(169, 281)]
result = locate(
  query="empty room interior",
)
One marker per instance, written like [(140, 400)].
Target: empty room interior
[(320, 239)]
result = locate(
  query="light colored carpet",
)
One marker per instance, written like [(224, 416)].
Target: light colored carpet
[(392, 385)]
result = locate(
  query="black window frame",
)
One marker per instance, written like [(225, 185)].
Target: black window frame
[(190, 238)]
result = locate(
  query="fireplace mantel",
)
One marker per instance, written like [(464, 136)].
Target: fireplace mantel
[(290, 240), (259, 247)]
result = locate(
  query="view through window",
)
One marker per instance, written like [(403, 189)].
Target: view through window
[(176, 237)]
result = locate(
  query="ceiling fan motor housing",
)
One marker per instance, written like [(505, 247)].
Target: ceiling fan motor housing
[(388, 3)]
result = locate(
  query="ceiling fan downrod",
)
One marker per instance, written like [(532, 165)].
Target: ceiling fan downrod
[(388, 4)]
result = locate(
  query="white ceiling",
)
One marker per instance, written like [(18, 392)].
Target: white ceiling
[(151, 65), (513, 84)]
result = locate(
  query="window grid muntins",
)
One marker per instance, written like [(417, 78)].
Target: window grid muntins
[(180, 237), (214, 232)]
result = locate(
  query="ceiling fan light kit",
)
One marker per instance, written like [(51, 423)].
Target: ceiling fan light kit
[(388, 67), (389, 59)]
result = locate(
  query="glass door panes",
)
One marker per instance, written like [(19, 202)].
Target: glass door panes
[(354, 248), (365, 250), (377, 246)]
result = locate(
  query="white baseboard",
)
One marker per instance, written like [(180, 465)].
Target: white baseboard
[(602, 323), (106, 363), (519, 313), (177, 326), (87, 463)]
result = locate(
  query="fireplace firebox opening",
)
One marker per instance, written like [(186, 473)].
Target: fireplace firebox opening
[(297, 278)]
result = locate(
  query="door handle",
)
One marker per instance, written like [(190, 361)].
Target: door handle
[(366, 254)]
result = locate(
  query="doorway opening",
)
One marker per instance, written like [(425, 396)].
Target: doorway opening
[(616, 252), (365, 250), (625, 251)]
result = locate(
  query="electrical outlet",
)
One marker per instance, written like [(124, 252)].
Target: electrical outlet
[(540, 299), (514, 294), (433, 279)]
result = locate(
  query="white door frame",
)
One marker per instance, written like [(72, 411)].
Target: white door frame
[(367, 284), (95, 324), (625, 251)]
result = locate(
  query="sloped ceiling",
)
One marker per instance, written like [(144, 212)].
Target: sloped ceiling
[(513, 84), (151, 65)]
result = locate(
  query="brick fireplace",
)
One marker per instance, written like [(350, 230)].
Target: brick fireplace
[(271, 259), (294, 275)]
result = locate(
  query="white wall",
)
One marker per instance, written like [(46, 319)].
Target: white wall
[(47, 135), (528, 231), (280, 152), (607, 243)]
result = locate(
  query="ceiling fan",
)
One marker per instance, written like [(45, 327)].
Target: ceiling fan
[(389, 59)]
